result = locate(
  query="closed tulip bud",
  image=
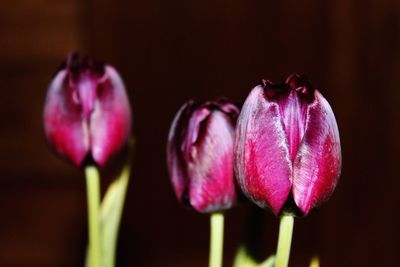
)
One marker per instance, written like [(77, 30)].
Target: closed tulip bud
[(87, 113), (200, 155), (287, 150)]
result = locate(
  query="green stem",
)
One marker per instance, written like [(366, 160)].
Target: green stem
[(109, 258), (216, 239), (112, 208), (284, 241), (93, 201)]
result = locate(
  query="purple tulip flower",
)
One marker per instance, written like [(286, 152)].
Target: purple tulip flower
[(287, 150), (87, 113), (200, 155)]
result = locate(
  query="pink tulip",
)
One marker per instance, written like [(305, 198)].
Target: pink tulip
[(287, 150), (87, 115), (200, 155)]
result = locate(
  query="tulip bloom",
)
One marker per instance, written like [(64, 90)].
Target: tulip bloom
[(87, 113), (200, 155), (287, 147)]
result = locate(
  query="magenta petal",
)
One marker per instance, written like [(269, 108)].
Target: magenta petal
[(293, 111), (316, 167), (86, 89), (176, 163), (110, 121), (63, 124), (263, 165), (210, 166), (193, 130)]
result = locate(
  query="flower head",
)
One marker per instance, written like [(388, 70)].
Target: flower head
[(200, 155), (87, 113), (287, 146)]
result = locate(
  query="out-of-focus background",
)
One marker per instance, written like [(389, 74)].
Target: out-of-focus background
[(167, 53)]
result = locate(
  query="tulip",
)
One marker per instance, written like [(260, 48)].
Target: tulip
[(200, 163), (287, 149), (200, 155), (87, 115)]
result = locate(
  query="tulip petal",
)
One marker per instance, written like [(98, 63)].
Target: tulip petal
[(197, 118), (110, 122), (263, 166), (176, 163), (316, 167), (64, 127), (210, 166), (86, 88), (293, 111)]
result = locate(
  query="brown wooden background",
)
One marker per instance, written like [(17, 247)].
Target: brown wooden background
[(168, 52)]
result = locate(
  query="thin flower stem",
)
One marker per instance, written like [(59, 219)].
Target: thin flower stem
[(284, 241), (216, 239), (114, 200), (110, 231), (93, 201)]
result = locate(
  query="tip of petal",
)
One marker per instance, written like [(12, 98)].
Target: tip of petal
[(301, 85), (266, 83), (76, 63)]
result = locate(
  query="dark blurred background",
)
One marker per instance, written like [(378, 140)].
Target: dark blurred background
[(168, 52)]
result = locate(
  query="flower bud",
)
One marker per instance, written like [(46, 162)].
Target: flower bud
[(287, 149), (200, 155), (87, 115)]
